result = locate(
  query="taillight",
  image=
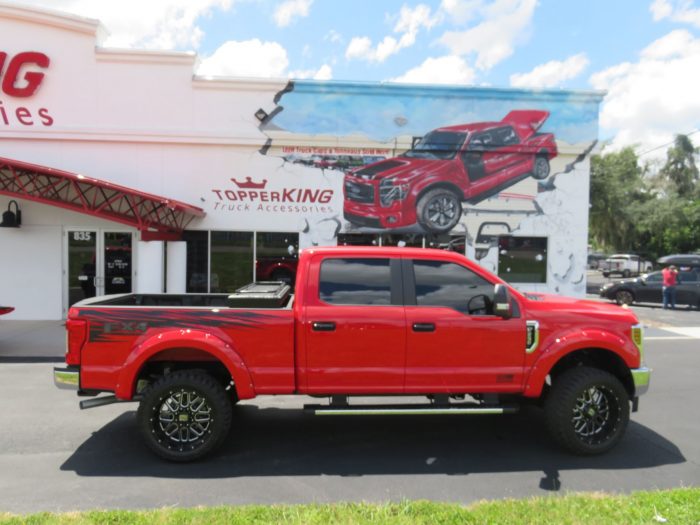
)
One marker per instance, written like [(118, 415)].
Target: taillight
[(76, 332)]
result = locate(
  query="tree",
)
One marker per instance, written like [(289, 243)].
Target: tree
[(618, 190), (680, 172)]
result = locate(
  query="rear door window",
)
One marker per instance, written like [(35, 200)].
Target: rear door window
[(355, 281)]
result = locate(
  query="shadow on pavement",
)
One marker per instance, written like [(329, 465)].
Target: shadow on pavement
[(286, 442)]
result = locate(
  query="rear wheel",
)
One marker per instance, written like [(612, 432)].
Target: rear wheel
[(540, 169), (439, 210), (587, 410), (624, 297), (184, 415), (626, 273)]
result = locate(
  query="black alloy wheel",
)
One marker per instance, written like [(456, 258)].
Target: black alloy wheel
[(587, 410), (439, 210), (185, 415)]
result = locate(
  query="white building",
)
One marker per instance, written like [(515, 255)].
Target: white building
[(111, 154)]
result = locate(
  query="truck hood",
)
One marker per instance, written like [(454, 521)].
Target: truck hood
[(404, 168), (538, 302)]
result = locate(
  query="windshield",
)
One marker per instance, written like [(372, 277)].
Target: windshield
[(437, 145)]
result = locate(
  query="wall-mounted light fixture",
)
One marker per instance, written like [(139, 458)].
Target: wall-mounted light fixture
[(11, 219)]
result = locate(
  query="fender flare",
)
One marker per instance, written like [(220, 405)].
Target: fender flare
[(184, 338), (563, 345)]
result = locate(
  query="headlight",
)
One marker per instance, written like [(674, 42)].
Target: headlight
[(390, 191)]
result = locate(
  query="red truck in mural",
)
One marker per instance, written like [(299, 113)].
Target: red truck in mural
[(467, 163), (365, 321), (6, 310)]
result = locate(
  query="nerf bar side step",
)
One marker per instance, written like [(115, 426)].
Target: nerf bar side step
[(104, 400), (393, 410)]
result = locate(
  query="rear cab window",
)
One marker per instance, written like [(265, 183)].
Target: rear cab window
[(357, 281)]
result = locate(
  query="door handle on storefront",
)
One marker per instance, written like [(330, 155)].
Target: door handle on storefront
[(423, 327), (318, 326)]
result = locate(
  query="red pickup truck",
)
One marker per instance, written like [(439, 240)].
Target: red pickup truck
[(448, 166), (364, 321)]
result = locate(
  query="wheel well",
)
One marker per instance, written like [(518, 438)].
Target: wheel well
[(596, 358), (544, 152), (441, 185), (174, 359)]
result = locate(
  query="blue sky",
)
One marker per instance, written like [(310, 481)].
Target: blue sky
[(644, 53)]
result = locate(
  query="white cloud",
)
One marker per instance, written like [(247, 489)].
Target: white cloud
[(504, 23), (410, 21), (651, 100), (443, 70), (248, 58), (333, 36), (552, 73), (152, 24), (325, 72), (460, 11), (679, 11), (287, 11)]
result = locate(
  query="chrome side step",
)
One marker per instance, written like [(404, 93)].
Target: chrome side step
[(394, 410)]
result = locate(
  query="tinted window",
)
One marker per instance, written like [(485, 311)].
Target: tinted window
[(654, 278), (355, 281), (451, 285), (687, 277)]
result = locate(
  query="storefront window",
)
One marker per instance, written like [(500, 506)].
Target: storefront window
[(197, 259), (412, 240), (231, 261), (276, 256), (453, 243), (358, 239), (522, 259)]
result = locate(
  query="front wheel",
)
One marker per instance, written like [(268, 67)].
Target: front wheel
[(439, 210), (184, 415), (624, 297), (587, 410)]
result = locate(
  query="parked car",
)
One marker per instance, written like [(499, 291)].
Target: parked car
[(647, 289), (365, 321), (626, 265), (448, 166)]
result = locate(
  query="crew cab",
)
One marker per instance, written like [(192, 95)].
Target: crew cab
[(365, 321), (466, 163), (624, 264)]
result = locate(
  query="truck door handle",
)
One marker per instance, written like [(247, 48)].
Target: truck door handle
[(318, 326), (423, 327)]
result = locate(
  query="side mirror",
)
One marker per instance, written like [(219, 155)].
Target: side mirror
[(501, 301)]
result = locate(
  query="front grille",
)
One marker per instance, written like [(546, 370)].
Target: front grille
[(363, 193)]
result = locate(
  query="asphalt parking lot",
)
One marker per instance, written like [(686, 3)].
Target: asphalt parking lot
[(55, 457)]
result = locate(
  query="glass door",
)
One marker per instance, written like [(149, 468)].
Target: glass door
[(99, 262), (82, 265)]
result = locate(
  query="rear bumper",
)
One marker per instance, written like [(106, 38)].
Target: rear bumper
[(67, 378), (641, 377)]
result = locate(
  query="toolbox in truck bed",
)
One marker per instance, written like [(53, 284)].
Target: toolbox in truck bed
[(263, 294)]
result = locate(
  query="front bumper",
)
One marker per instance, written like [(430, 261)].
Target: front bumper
[(66, 378), (641, 377)]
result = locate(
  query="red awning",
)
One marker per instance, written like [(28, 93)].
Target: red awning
[(156, 217)]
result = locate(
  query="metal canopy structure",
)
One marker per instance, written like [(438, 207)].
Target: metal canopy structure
[(158, 218)]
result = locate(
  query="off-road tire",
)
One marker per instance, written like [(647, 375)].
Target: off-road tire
[(563, 405), (184, 385), (541, 168), (429, 213), (624, 297)]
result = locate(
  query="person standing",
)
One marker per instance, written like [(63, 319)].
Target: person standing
[(670, 277)]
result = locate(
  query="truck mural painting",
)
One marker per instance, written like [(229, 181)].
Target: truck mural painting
[(450, 165), (444, 163)]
